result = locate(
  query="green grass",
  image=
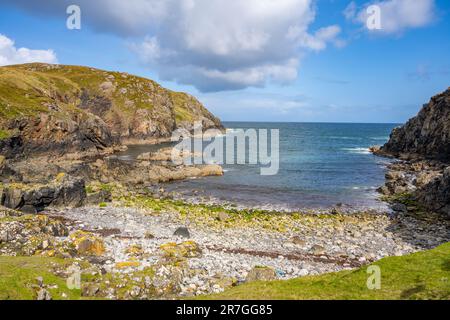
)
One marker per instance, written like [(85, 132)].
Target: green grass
[(26, 89), (18, 275), (423, 275), (4, 134), (18, 278)]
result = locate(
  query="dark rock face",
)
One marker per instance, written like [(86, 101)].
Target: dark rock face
[(99, 197), (425, 142), (46, 133), (69, 193), (7, 172), (436, 194), (11, 146), (425, 136)]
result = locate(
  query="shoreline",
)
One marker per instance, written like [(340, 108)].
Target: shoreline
[(190, 248), (223, 247), (208, 200)]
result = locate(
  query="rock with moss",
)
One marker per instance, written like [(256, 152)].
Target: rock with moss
[(261, 274), (87, 244), (180, 251)]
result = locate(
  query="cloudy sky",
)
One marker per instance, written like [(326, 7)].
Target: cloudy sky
[(252, 60)]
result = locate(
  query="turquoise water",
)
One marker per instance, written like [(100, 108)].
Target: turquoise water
[(321, 164)]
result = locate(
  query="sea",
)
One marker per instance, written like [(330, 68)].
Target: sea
[(321, 165)]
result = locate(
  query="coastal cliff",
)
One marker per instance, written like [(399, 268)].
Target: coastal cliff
[(426, 136), (46, 107), (60, 127), (424, 145)]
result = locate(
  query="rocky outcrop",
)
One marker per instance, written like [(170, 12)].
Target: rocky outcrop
[(65, 191), (69, 108), (436, 194), (426, 136), (424, 142)]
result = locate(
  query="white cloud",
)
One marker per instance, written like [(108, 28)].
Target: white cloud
[(211, 44), (396, 15), (321, 38), (9, 54)]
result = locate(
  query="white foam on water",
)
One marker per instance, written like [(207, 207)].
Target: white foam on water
[(357, 150)]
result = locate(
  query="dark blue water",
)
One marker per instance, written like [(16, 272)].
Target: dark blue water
[(321, 164)]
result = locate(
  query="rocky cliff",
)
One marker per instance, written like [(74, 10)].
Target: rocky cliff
[(70, 108), (425, 136), (424, 141)]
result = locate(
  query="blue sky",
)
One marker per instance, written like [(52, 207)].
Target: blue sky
[(236, 59)]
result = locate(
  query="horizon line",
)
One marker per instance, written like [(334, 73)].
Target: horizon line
[(317, 122)]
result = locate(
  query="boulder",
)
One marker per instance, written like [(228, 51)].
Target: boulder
[(436, 194), (182, 232), (261, 274), (67, 192), (87, 243), (187, 249), (223, 216)]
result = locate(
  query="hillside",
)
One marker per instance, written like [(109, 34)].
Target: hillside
[(61, 107)]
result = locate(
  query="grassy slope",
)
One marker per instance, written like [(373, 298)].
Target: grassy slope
[(25, 88), (423, 275), (18, 274)]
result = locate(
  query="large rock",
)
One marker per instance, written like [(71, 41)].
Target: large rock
[(65, 191), (425, 136), (436, 194), (425, 142), (87, 243)]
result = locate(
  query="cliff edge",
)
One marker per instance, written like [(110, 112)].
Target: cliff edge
[(46, 107), (424, 143), (426, 136)]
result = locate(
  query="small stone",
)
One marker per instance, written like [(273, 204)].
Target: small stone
[(149, 235), (90, 290), (223, 216), (182, 232), (399, 207), (135, 250), (261, 274), (334, 211), (43, 295), (40, 281), (317, 250), (298, 241), (45, 244), (303, 272), (135, 291)]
